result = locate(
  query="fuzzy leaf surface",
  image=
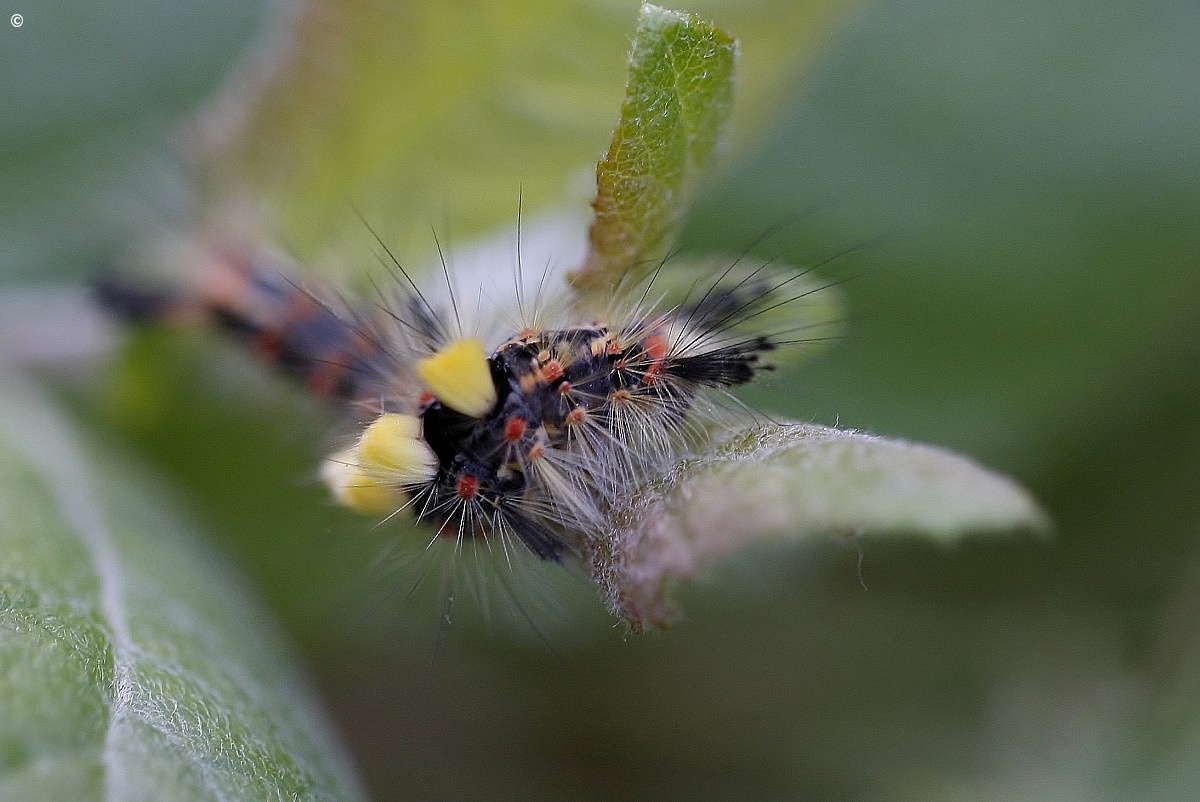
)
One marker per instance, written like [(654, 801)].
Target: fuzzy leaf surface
[(798, 481), (678, 95), (132, 666)]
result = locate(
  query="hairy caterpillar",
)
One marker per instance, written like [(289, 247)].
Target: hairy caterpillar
[(526, 429)]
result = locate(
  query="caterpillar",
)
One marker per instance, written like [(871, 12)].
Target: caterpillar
[(531, 433)]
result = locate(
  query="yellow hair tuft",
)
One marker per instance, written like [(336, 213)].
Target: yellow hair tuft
[(390, 456), (354, 489), (460, 377), (392, 452)]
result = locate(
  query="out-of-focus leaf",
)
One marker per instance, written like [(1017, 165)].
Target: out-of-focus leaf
[(90, 93), (418, 114), (131, 665), (798, 481), (677, 97)]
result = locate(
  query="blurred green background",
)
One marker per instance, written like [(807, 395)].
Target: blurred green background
[(1035, 167)]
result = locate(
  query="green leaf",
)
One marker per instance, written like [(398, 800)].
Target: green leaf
[(677, 98), (132, 666), (798, 481)]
